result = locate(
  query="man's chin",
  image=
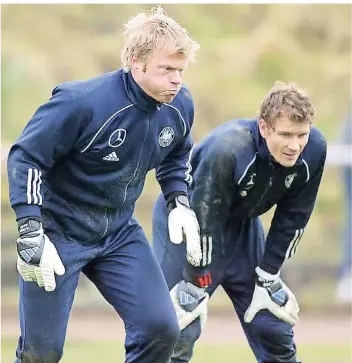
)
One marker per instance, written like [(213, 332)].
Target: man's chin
[(288, 163), (169, 98)]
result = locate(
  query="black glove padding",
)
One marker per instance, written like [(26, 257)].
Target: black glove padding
[(190, 302), (189, 296), (275, 290), (30, 243), (37, 257)]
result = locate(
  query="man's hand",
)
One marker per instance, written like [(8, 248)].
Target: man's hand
[(272, 294), (190, 302), (183, 220), (37, 258)]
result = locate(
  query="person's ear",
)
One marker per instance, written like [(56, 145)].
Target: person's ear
[(135, 63), (263, 128)]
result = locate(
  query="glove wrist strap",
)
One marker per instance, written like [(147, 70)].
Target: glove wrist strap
[(28, 224), (265, 275), (200, 277), (174, 198)]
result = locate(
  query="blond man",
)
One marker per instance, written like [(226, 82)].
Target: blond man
[(241, 170), (75, 174)]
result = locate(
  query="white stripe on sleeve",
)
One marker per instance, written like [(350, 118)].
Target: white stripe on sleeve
[(38, 189), (29, 186), (35, 181), (204, 250), (189, 178), (291, 250), (210, 249), (207, 249)]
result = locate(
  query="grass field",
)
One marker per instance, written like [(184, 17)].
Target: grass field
[(94, 352)]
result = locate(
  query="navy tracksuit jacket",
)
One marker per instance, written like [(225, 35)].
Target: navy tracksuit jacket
[(235, 180), (80, 164)]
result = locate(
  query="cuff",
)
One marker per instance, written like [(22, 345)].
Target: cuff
[(27, 210), (270, 263), (199, 276), (175, 186)]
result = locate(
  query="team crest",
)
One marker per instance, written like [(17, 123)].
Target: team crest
[(289, 179), (166, 136)]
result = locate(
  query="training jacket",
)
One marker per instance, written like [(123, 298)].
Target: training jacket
[(82, 159), (235, 178)]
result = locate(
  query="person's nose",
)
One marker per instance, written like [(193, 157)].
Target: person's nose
[(176, 78), (294, 145)]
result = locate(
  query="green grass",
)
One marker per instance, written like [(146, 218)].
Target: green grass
[(93, 352)]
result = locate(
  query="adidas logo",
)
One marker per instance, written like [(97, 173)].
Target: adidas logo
[(111, 157), (28, 253)]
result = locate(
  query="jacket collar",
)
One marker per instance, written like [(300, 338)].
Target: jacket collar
[(136, 95)]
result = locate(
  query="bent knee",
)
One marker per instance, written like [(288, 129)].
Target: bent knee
[(266, 324), (167, 331), (275, 338)]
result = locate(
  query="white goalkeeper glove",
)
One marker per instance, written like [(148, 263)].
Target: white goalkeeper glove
[(272, 294), (190, 302), (183, 220), (37, 258)]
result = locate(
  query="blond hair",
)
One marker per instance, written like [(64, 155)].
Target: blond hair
[(288, 100), (151, 30)]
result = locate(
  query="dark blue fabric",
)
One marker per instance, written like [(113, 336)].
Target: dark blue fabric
[(83, 157), (236, 178), (236, 253), (124, 269)]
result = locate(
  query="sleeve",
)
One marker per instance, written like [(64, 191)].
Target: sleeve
[(174, 173), (291, 217), (49, 135), (211, 201), (214, 188)]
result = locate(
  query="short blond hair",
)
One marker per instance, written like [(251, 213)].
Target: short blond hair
[(151, 30), (288, 100)]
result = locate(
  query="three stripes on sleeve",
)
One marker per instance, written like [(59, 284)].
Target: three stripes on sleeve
[(34, 196), (291, 250), (207, 247), (34, 182)]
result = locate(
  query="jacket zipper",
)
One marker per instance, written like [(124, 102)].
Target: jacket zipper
[(268, 186), (137, 167)]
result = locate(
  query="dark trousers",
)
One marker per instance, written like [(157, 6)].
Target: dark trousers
[(236, 253)]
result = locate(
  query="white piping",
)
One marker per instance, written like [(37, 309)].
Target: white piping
[(305, 163), (105, 123), (183, 121), (248, 166)]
